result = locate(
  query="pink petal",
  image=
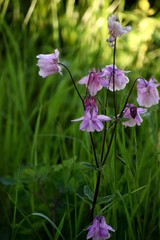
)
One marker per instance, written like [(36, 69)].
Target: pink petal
[(103, 118), (77, 119)]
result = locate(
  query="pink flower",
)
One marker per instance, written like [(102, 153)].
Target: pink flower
[(91, 121), (148, 94), (99, 230), (133, 114), (115, 29), (92, 82), (48, 63), (120, 80)]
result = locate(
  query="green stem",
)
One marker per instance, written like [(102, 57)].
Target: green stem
[(114, 64), (105, 131), (103, 160), (96, 194), (94, 150), (110, 143), (73, 82), (121, 114)]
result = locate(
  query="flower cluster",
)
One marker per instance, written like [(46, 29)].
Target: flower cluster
[(91, 121), (109, 77), (99, 230), (113, 79)]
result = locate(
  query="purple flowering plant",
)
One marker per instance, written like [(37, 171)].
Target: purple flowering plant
[(110, 78)]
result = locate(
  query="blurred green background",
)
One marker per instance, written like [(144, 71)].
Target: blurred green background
[(41, 150)]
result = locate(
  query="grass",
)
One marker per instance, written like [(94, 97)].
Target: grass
[(47, 173)]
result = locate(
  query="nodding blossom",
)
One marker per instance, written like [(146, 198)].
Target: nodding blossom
[(91, 121), (148, 94), (48, 63), (92, 82), (133, 114), (115, 29), (99, 230), (118, 82)]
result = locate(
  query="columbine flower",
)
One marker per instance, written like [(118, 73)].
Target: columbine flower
[(48, 63), (92, 82), (115, 29), (99, 230), (91, 121), (148, 94), (133, 114), (119, 80)]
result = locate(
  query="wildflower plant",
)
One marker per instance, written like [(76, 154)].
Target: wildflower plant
[(95, 118)]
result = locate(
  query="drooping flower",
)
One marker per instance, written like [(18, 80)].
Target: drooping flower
[(92, 82), (99, 230), (91, 121), (148, 94), (115, 29), (118, 82), (48, 63), (133, 114)]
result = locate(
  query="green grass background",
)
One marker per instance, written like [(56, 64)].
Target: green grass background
[(45, 186)]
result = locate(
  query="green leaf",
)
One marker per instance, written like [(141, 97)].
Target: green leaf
[(43, 172), (56, 237), (28, 175), (122, 160), (84, 199), (106, 199), (88, 165), (49, 220), (88, 192), (7, 181)]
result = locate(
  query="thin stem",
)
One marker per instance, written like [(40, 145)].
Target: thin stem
[(104, 141), (92, 141), (73, 82), (96, 194), (110, 143), (115, 113), (104, 137), (105, 130), (115, 122), (114, 100), (114, 95), (94, 150), (120, 115)]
